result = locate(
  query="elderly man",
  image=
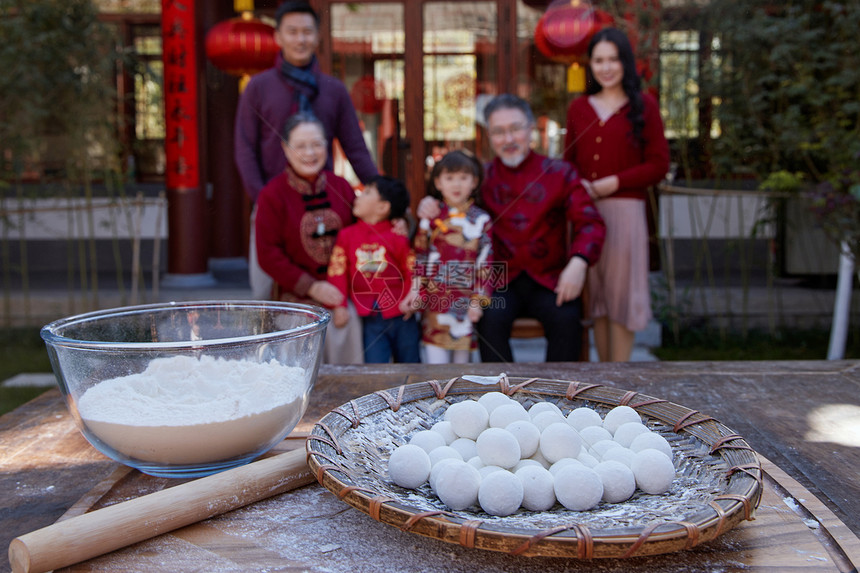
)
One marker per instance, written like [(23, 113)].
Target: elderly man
[(294, 84), (538, 270)]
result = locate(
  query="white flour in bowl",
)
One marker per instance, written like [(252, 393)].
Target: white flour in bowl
[(182, 410)]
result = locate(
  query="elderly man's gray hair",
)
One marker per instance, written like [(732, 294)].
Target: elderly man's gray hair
[(508, 101)]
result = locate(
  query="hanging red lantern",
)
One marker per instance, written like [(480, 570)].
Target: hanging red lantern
[(367, 94), (242, 46), (564, 31)]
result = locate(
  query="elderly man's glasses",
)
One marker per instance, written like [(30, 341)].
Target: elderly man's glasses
[(514, 130)]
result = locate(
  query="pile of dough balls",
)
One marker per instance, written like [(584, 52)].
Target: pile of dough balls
[(495, 453)]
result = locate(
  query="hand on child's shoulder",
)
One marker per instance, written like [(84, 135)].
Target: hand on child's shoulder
[(475, 312), (400, 227), (428, 208)]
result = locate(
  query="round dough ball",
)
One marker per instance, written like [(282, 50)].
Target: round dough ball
[(538, 488), (498, 447), (487, 470), (476, 462), (528, 436), (525, 463), (580, 418), (593, 434), (444, 428), (501, 493), (427, 440), (619, 483), (539, 407), (553, 469), (652, 441), (559, 441), (409, 466), (504, 415), (543, 419), (492, 400), (457, 485), (466, 447), (653, 471), (578, 488), (452, 409), (620, 415), (623, 455), (442, 453), (434, 472), (600, 448), (468, 419), (625, 433), (587, 459)]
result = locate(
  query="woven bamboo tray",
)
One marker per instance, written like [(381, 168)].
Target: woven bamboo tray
[(717, 475)]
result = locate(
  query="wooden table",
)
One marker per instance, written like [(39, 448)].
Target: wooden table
[(789, 412)]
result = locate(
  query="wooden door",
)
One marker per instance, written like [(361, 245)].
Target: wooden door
[(419, 72)]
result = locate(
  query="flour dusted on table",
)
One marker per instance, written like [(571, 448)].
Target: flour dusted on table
[(183, 410)]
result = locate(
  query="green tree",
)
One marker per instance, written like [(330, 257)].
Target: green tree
[(57, 116), (57, 87), (788, 86)]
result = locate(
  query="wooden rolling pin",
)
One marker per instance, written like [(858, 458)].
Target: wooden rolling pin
[(92, 534)]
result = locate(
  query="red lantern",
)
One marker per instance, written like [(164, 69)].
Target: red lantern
[(367, 94), (242, 46), (564, 31)]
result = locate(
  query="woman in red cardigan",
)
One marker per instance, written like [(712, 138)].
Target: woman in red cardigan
[(615, 138)]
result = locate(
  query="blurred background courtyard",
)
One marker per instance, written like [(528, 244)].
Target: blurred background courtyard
[(760, 100)]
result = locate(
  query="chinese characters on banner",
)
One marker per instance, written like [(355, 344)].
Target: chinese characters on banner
[(180, 94)]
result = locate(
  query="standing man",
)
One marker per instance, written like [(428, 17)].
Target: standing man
[(533, 200), (294, 84)]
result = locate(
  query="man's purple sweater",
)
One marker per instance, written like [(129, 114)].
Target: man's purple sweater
[(264, 108)]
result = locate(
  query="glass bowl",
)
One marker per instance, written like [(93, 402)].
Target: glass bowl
[(188, 389)]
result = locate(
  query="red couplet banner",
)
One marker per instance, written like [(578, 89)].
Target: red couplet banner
[(180, 94)]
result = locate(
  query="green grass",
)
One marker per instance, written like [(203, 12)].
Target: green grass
[(11, 398), (704, 344), (21, 350)]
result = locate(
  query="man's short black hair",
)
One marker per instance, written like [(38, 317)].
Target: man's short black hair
[(393, 191), (508, 101), (295, 7)]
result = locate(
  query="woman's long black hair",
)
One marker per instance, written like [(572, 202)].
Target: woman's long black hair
[(631, 82)]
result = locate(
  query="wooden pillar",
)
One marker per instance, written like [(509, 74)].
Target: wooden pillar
[(414, 100), (227, 238), (187, 251), (507, 72)]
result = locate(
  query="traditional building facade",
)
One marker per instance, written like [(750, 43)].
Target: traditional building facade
[(419, 72)]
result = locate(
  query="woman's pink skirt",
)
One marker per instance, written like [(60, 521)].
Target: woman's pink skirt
[(618, 284)]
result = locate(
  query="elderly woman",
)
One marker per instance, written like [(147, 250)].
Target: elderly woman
[(299, 214)]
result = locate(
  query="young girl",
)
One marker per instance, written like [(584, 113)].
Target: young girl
[(451, 252)]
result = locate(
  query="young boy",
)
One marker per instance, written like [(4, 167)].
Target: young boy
[(372, 265)]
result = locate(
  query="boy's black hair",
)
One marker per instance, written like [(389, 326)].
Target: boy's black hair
[(457, 161), (393, 191), (295, 7)]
